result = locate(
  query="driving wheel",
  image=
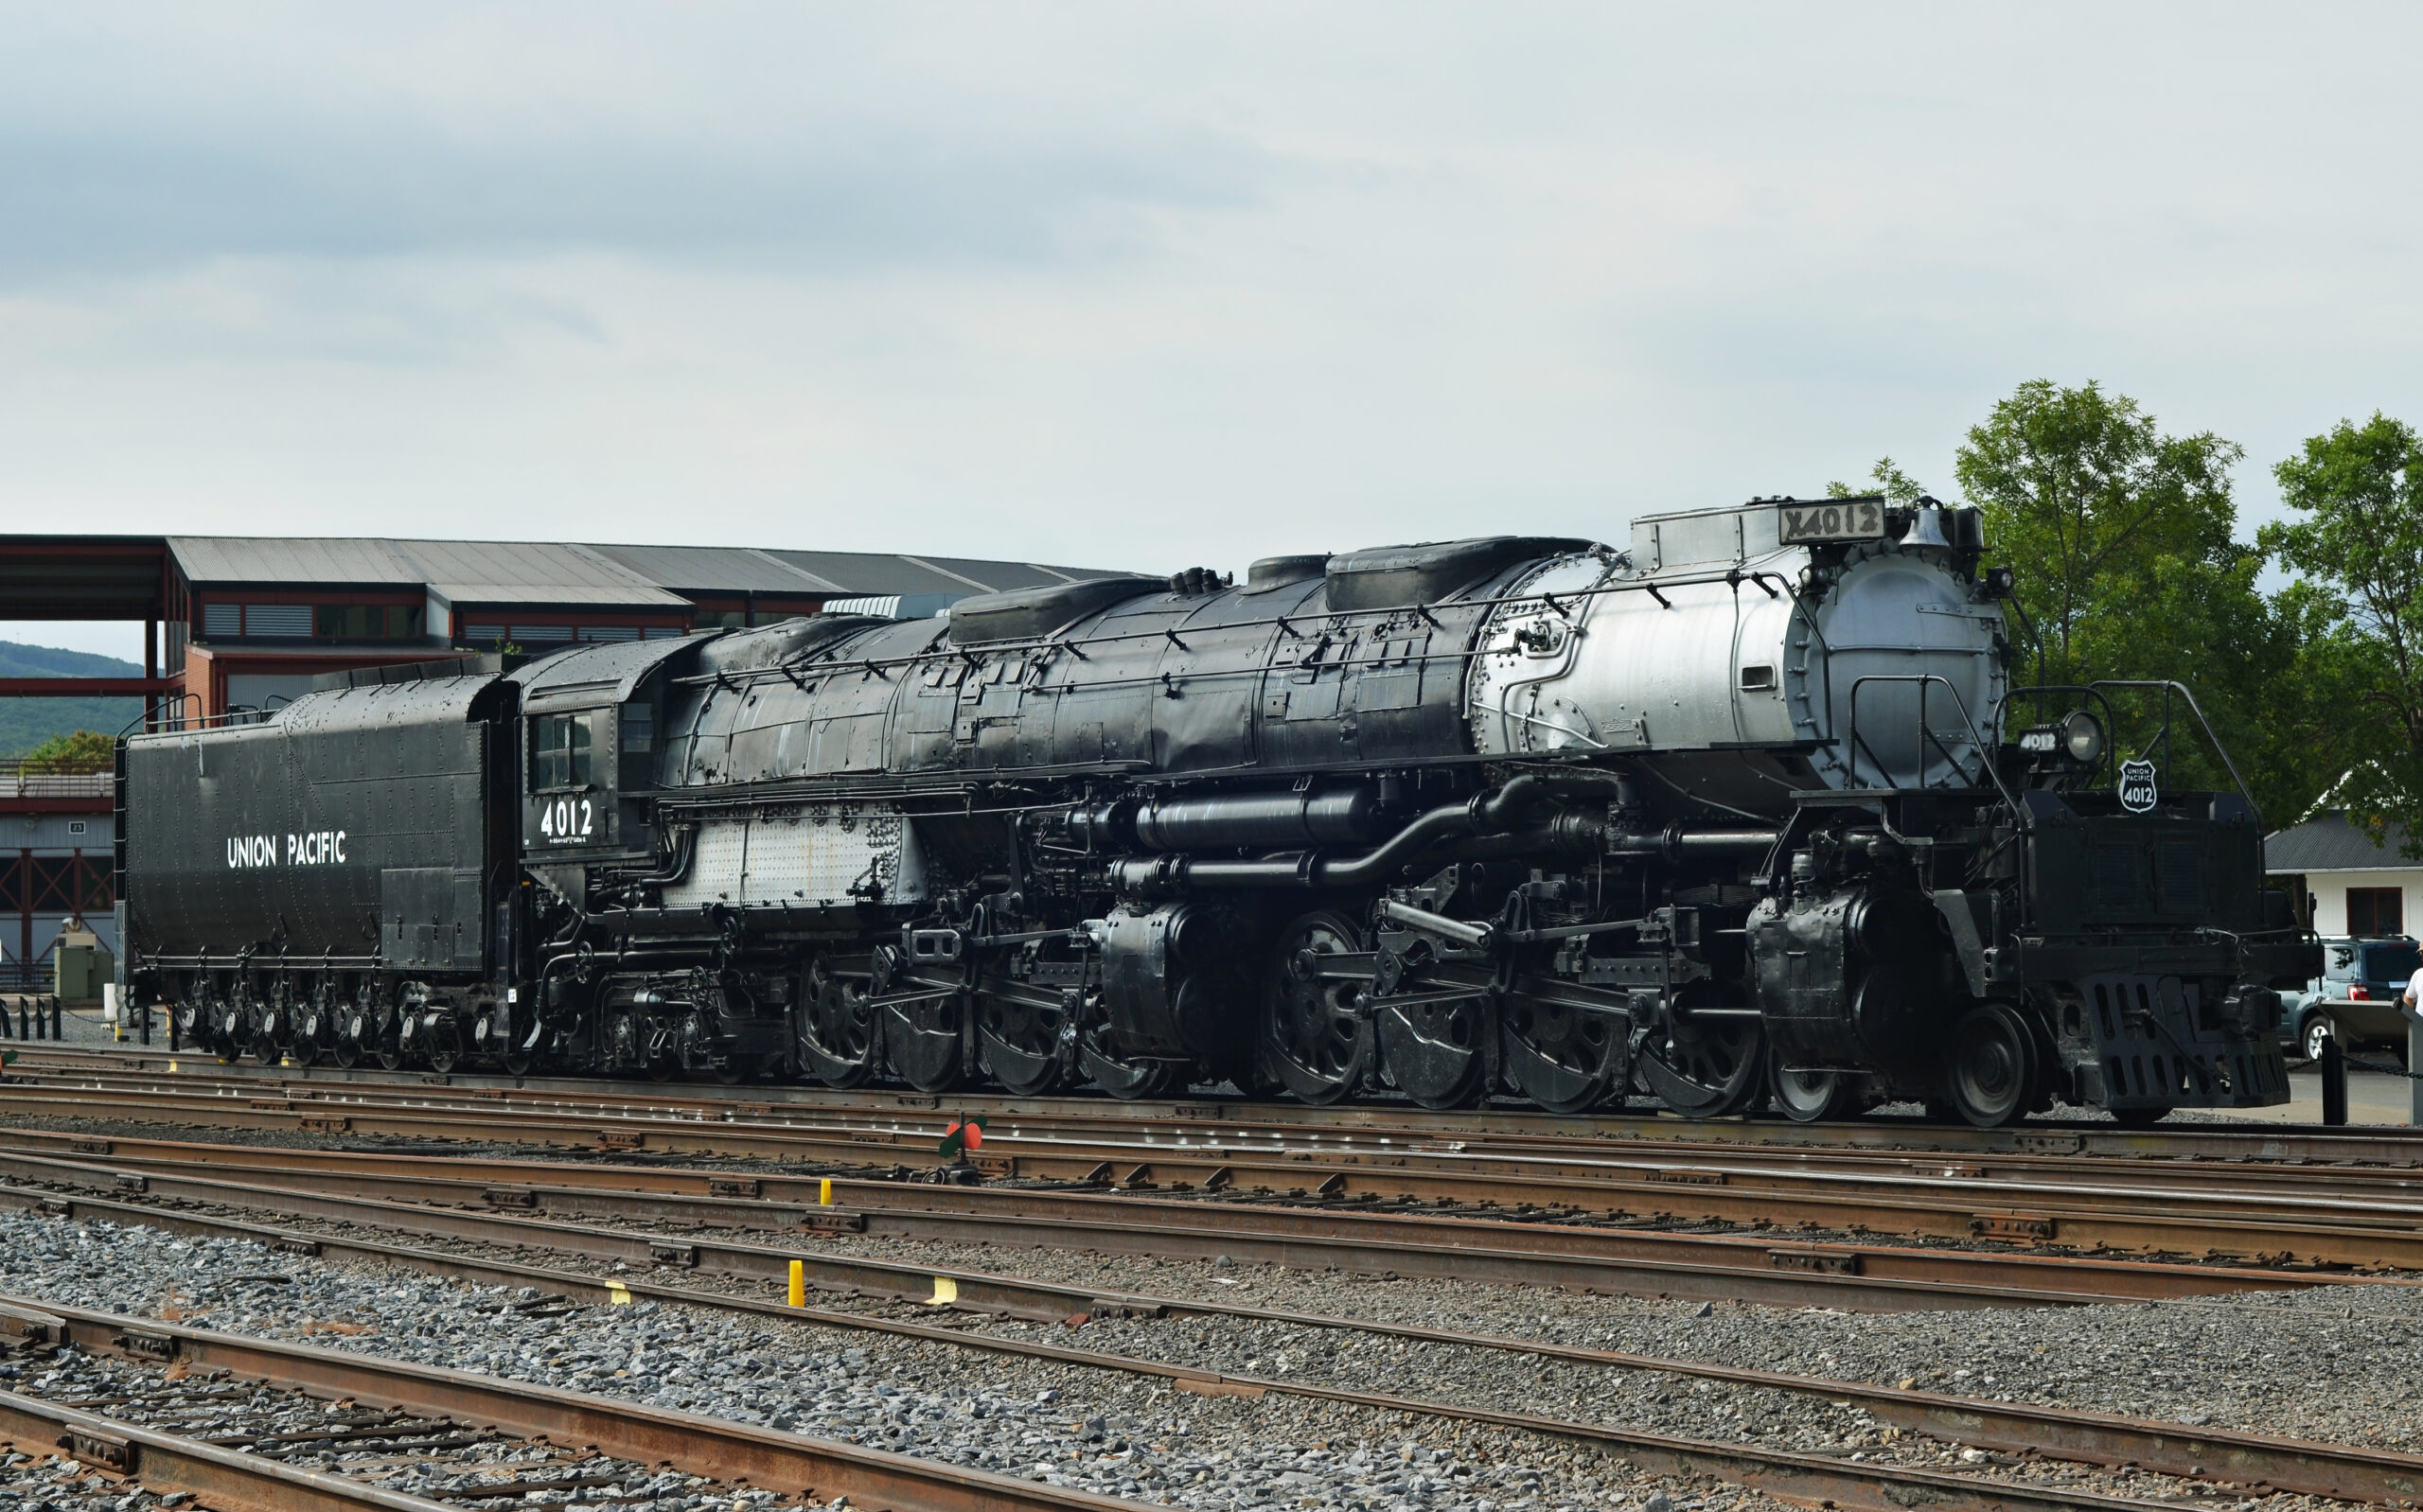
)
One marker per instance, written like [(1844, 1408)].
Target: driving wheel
[(923, 1040), (1566, 1058), (1993, 1066), (1018, 1036), (833, 1029), (1313, 1040), (1432, 1051), (1706, 1061)]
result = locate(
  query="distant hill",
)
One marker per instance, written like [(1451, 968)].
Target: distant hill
[(25, 723)]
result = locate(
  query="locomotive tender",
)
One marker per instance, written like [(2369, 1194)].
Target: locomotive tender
[(1725, 817)]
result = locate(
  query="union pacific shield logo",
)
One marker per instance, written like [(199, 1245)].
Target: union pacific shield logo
[(2137, 793)]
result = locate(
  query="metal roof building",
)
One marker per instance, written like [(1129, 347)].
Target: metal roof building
[(2353, 885), (233, 622), (241, 621)]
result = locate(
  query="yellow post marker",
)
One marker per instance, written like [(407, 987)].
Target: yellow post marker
[(617, 1294), (946, 1291), (799, 1284), (824, 1192)]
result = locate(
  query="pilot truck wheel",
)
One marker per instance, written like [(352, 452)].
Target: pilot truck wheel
[(1993, 1066)]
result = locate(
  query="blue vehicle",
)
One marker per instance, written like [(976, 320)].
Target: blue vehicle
[(2355, 1000)]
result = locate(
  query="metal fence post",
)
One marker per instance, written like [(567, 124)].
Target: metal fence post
[(2334, 1082)]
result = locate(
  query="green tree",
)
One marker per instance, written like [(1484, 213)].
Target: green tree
[(1886, 478), (2085, 495), (2359, 549), (85, 750)]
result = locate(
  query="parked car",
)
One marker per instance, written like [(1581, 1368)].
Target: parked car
[(2355, 1000)]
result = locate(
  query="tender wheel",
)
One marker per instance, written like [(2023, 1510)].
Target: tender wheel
[(835, 1029), (444, 1047), (738, 1069), (1313, 1042), (1706, 1066), (2316, 1036), (1993, 1066), (1808, 1097)]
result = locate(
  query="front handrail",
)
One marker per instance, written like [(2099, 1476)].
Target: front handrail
[(2211, 737), (1927, 736), (2111, 723)]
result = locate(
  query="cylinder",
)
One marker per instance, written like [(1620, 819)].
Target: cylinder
[(1217, 822), (1339, 817)]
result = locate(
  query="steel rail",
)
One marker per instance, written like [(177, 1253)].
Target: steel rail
[(689, 1441), (2325, 1230), (756, 1199), (2265, 1142), (1553, 1159), (2326, 1470), (2286, 1464), (225, 1479), (486, 1198)]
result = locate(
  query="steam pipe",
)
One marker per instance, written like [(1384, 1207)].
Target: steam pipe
[(1485, 814), (1485, 824), (1676, 842)]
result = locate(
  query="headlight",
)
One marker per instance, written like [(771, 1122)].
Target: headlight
[(2082, 738)]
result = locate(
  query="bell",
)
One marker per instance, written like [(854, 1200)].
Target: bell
[(1927, 532)]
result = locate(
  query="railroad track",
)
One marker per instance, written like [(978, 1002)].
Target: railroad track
[(2343, 1217), (2216, 1456), (227, 1480), (1047, 1136), (472, 1196), (2301, 1143), (420, 1414)]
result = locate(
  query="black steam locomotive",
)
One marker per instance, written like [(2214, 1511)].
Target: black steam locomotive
[(1723, 817)]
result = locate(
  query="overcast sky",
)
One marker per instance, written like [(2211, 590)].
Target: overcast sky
[(1151, 286)]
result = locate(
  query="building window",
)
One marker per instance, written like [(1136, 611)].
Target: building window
[(2373, 912), (722, 618), (286, 620), (559, 752), (369, 622), (222, 618)]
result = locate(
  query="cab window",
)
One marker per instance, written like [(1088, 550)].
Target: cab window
[(559, 752)]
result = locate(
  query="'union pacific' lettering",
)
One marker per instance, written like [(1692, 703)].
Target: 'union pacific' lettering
[(318, 848)]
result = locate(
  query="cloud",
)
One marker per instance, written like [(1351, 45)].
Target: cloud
[(102, 202), (1154, 284)]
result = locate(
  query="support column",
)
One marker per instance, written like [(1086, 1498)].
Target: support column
[(2414, 1064), (26, 918)]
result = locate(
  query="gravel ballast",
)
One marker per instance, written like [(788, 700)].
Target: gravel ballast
[(1134, 1437), (1115, 1435)]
